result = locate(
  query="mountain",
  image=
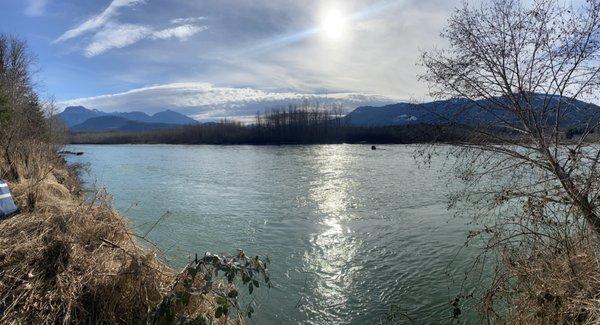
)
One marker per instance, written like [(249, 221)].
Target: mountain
[(111, 123), (464, 111), (172, 117), (166, 117), (135, 116), (74, 115), (81, 119)]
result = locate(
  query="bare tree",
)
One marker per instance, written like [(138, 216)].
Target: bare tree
[(27, 152), (524, 69), (527, 72)]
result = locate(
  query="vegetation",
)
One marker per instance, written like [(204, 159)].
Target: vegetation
[(65, 259), (303, 124), (534, 193)]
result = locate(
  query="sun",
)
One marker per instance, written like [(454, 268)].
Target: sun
[(333, 23)]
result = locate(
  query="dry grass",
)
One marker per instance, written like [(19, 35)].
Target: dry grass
[(78, 264), (557, 287), (539, 284), (65, 260)]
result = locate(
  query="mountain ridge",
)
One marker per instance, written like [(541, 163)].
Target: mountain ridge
[(111, 123), (82, 119), (461, 111)]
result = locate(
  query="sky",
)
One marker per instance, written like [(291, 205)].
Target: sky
[(214, 59)]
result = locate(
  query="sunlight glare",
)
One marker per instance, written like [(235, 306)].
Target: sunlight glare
[(333, 23)]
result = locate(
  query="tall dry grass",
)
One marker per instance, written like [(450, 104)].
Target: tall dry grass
[(543, 284), (558, 288), (68, 260)]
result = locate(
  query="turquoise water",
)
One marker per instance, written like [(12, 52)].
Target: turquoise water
[(350, 232)]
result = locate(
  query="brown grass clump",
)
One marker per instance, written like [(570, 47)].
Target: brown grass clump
[(543, 284), (65, 260), (557, 287), (55, 266), (65, 256)]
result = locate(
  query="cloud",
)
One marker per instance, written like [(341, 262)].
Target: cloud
[(121, 35), (181, 33), (206, 102), (108, 33), (99, 20), (188, 20), (115, 36), (35, 7)]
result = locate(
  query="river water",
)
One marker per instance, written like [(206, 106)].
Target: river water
[(351, 233)]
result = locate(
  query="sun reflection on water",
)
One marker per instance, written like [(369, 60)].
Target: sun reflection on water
[(333, 246)]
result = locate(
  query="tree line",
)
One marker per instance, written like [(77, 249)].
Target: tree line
[(296, 124), (24, 129)]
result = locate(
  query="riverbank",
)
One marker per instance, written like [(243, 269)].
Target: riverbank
[(68, 259)]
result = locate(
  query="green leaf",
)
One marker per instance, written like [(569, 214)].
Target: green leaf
[(184, 297), (222, 301), (232, 294), (219, 312), (245, 278)]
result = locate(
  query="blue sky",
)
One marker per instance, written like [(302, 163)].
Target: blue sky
[(226, 58)]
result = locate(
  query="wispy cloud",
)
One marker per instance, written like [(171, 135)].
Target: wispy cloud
[(99, 20), (188, 20), (207, 102), (181, 33), (35, 7), (121, 35), (115, 36), (108, 33)]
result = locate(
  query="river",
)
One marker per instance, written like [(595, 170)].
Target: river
[(350, 232)]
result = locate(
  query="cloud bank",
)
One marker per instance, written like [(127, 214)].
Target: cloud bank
[(206, 102)]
